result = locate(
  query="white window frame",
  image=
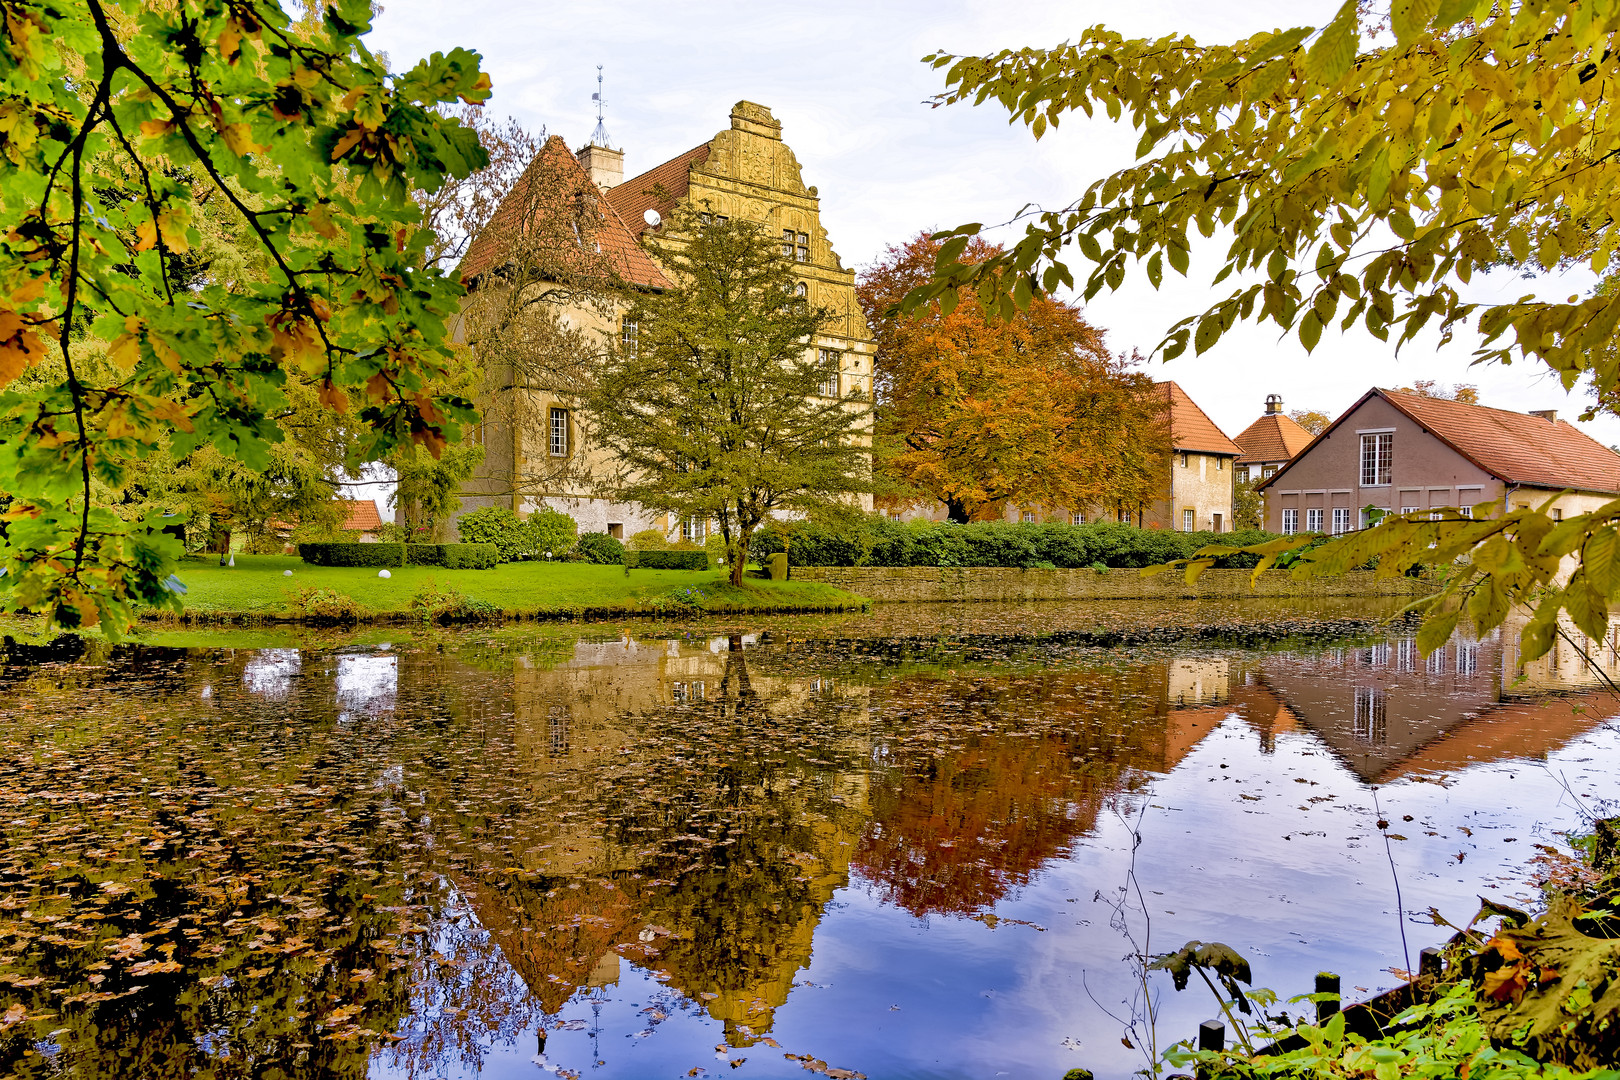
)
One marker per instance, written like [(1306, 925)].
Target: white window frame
[(1313, 519), (1290, 521), (558, 439), (694, 529), (832, 362), (1341, 520), (1077, 518), (1188, 519), (1380, 463)]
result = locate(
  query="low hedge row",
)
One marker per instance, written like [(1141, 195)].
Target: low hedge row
[(878, 541), (667, 560), (449, 556)]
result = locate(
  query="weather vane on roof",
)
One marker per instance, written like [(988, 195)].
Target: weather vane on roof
[(599, 137)]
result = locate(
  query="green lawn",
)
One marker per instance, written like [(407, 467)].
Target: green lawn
[(259, 585)]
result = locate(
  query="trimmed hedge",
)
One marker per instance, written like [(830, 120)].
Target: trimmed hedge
[(878, 541), (454, 556), (668, 560), (449, 556), (352, 554)]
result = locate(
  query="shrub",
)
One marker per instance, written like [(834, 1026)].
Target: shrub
[(549, 530), (599, 548), (671, 560), (434, 604), (316, 604), (495, 525), (352, 554), (649, 540)]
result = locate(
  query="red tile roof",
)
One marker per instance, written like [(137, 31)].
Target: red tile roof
[(1514, 447), (1273, 437), (360, 515), (556, 164), (1191, 429), (658, 188)]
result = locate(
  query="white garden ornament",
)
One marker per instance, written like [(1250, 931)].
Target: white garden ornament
[(384, 574)]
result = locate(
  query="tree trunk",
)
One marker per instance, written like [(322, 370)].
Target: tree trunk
[(957, 511)]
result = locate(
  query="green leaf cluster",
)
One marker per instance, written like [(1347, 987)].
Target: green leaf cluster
[(123, 127)]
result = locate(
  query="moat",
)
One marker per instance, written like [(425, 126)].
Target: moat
[(889, 845)]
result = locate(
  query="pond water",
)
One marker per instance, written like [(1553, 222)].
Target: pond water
[(923, 843)]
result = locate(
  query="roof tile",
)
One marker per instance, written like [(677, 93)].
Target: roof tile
[(659, 188), (1273, 437), (1191, 429)]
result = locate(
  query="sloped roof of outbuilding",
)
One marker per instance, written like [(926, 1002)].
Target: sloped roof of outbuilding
[(1191, 429), (1273, 437)]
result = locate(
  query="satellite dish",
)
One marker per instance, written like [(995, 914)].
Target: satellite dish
[(653, 218)]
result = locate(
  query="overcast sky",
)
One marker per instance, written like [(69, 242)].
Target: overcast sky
[(847, 82)]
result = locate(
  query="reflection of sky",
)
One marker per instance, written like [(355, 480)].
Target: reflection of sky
[(270, 674), (366, 684), (1294, 876)]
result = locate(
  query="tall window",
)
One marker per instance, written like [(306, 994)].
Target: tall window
[(831, 360), (1313, 519), (628, 332), (1377, 453), (1341, 520), (801, 290), (787, 243), (694, 529), (1291, 521), (1184, 458), (1242, 472), (804, 247), (559, 432), (1371, 721), (1186, 521), (1125, 517)]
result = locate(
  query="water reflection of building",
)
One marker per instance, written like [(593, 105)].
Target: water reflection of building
[(1384, 707)]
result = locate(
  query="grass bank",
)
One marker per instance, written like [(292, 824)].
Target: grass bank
[(258, 588)]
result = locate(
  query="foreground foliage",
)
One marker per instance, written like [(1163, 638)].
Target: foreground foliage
[(126, 123), (1360, 180)]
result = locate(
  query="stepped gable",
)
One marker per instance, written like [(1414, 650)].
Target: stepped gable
[(659, 188), (1273, 437), (618, 241), (1191, 429)]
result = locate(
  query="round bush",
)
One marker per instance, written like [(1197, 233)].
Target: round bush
[(599, 548)]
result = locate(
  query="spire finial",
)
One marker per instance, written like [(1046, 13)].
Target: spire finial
[(599, 137)]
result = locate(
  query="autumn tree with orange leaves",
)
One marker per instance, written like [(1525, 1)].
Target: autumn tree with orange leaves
[(977, 412)]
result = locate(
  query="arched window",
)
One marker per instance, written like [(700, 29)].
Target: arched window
[(801, 290)]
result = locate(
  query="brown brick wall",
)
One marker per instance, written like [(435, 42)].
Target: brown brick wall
[(927, 584)]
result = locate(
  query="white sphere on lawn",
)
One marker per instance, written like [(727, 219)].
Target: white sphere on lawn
[(286, 573), (384, 574)]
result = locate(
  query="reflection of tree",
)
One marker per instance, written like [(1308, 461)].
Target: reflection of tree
[(961, 816)]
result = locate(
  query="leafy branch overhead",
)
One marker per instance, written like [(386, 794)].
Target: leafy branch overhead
[(1360, 180), (126, 123)]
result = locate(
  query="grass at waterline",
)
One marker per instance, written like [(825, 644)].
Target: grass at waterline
[(259, 586)]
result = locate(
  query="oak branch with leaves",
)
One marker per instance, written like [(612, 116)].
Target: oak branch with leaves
[(1363, 175), (118, 120)]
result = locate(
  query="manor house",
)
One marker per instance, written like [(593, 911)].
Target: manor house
[(571, 222)]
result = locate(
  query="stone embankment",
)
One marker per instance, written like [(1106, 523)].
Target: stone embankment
[(956, 584)]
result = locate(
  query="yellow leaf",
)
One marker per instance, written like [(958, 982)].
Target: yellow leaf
[(239, 139), (156, 129), (347, 143), (125, 351)]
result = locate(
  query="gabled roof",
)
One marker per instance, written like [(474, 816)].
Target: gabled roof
[(1191, 429), (658, 188), (1514, 447), (556, 165), (1273, 437), (360, 515)]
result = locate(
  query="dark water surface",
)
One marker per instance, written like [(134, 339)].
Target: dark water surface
[(890, 845)]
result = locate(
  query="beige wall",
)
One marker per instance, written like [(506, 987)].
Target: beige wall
[(1203, 485)]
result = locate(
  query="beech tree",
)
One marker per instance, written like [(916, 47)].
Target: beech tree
[(716, 407), (1363, 171), (978, 411), (124, 118)]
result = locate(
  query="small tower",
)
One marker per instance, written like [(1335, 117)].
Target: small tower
[(601, 159), (1273, 404)]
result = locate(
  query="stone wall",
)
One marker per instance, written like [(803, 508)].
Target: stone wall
[(928, 584)]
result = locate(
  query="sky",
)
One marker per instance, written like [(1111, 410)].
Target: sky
[(846, 80)]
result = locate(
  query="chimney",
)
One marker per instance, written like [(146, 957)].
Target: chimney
[(1273, 404), (1549, 415), (604, 164)]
